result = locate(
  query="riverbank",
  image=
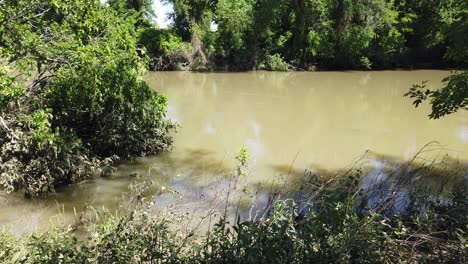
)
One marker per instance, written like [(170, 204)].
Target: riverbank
[(278, 64), (326, 220)]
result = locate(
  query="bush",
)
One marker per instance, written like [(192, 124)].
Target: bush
[(108, 105), (181, 59), (37, 157), (165, 49), (329, 228), (159, 42), (336, 233), (275, 63), (87, 105), (365, 63)]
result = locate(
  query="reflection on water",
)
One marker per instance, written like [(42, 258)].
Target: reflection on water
[(464, 134), (288, 121)]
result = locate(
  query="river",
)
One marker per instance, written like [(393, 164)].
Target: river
[(288, 122)]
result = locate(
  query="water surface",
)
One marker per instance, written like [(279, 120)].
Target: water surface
[(289, 122), (323, 119)]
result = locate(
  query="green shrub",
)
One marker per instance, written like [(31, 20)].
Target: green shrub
[(136, 239), (87, 104), (8, 246), (275, 63), (181, 59), (165, 49), (365, 63), (105, 101), (159, 42), (330, 228), (335, 233), (37, 157)]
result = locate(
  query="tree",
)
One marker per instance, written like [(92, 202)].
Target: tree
[(453, 96), (193, 19), (142, 10), (86, 104), (235, 21), (344, 34)]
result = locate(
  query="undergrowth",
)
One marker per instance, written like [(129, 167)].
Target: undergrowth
[(333, 225)]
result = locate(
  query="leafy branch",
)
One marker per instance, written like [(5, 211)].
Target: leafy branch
[(446, 100)]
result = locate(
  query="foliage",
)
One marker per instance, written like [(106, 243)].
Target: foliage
[(242, 162), (10, 91), (444, 101), (140, 11), (193, 17), (331, 228), (339, 34), (86, 103), (165, 48), (453, 96), (109, 107), (193, 21), (35, 157), (275, 63), (235, 22), (133, 239), (158, 41), (456, 28)]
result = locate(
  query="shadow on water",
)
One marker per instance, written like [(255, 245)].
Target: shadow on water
[(380, 183), (197, 181), (387, 184), (187, 167), (193, 164)]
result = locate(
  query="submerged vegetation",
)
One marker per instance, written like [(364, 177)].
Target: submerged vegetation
[(72, 95)]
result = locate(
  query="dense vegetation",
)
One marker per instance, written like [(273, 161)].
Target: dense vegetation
[(310, 34), (72, 97), (334, 225)]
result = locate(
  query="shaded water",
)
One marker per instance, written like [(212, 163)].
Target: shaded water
[(289, 122)]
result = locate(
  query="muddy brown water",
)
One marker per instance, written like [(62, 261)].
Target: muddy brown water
[(289, 122)]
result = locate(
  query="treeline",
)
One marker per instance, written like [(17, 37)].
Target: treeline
[(309, 35), (72, 96)]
